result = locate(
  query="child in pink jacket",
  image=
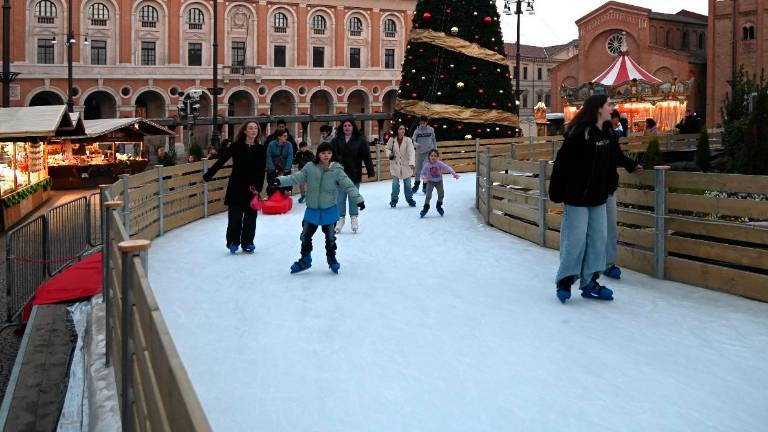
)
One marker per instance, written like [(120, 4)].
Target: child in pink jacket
[(432, 175)]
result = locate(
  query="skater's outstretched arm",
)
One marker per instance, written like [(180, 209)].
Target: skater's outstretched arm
[(345, 183), (223, 159), (294, 179)]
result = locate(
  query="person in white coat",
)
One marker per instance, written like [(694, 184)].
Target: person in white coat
[(402, 161)]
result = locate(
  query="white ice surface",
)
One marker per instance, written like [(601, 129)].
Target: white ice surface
[(444, 324)]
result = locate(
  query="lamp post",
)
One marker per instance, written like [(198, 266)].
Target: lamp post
[(7, 76), (215, 90), (70, 42), (518, 12)]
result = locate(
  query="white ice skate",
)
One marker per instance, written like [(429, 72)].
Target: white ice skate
[(339, 225), (355, 224)]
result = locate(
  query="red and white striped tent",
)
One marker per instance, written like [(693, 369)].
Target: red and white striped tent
[(622, 70)]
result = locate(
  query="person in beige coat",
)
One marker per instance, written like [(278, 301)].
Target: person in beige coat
[(402, 161)]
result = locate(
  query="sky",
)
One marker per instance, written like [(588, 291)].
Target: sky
[(554, 20)]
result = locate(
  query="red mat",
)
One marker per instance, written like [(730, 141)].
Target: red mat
[(82, 280)]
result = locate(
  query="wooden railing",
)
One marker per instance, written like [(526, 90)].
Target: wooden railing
[(155, 390), (707, 230)]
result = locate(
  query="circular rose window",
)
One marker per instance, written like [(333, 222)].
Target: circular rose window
[(615, 44)]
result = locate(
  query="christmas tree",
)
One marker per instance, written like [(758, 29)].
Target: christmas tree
[(455, 72)]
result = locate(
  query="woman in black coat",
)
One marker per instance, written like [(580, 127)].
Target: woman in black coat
[(249, 158), (351, 150)]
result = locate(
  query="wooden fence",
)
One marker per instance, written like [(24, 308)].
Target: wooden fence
[(701, 229)]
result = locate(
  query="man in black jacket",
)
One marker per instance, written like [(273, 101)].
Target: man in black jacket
[(351, 150)]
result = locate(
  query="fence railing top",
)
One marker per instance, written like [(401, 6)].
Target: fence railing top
[(113, 204), (137, 245)]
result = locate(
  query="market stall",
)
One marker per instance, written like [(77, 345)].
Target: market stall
[(636, 94), (108, 148), (24, 133)]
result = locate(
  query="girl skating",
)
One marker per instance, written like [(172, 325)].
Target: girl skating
[(402, 161), (432, 175), (323, 178)]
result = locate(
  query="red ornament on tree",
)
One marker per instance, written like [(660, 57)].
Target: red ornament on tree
[(493, 104), (448, 10), (480, 90), (442, 76), (413, 95), (477, 37), (488, 20), (435, 60), (427, 16), (474, 68)]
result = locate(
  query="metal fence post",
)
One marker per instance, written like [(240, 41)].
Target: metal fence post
[(160, 195), (477, 173), (126, 204), (128, 249), (205, 190), (106, 271), (660, 212), (378, 162), (488, 185), (543, 201), (477, 153)]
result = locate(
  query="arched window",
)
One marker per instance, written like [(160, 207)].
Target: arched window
[(390, 28), (748, 32), (355, 26), (148, 16), (280, 23), (45, 11), (196, 19), (319, 24), (98, 13)]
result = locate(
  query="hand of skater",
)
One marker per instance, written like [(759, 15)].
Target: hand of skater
[(275, 183), (361, 205), (207, 177), (456, 176)]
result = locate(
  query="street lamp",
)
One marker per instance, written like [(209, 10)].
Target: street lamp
[(518, 12), (7, 76), (215, 87)]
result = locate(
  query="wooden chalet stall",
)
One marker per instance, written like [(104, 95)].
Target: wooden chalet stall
[(24, 135), (107, 149)]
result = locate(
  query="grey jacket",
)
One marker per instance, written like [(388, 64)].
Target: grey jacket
[(424, 139), (322, 184)]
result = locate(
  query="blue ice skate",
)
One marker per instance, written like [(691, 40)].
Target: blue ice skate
[(439, 208), (613, 272), (334, 265), (304, 263), (233, 248), (393, 203), (411, 202), (424, 211), (249, 249), (594, 290), (563, 294)]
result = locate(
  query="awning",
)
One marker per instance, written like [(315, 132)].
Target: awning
[(38, 122), (623, 70), (135, 125)]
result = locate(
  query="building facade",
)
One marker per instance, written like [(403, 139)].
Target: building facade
[(741, 42), (133, 58), (666, 45), (536, 64)]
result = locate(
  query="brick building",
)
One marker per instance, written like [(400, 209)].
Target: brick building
[(131, 58), (535, 85), (739, 42), (667, 45)]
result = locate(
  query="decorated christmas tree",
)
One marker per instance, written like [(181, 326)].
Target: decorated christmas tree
[(455, 72)]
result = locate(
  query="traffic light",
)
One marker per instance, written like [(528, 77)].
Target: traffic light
[(182, 109)]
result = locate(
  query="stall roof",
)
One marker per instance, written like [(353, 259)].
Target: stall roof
[(624, 69), (96, 128), (38, 121)]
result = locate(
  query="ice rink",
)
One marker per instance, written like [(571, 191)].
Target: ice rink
[(444, 324)]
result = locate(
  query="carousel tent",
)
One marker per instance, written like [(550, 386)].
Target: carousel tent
[(623, 70)]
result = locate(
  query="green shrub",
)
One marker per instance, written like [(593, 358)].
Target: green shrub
[(652, 155), (703, 153)]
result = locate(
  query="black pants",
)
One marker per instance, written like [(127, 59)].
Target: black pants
[(330, 239), (242, 226)]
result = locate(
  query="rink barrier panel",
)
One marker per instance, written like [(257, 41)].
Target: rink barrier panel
[(698, 228)]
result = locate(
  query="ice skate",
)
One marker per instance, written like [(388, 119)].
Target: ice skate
[(333, 265), (424, 211), (594, 290), (393, 204), (439, 208), (411, 202), (233, 248), (249, 249), (304, 263), (339, 225), (613, 272)]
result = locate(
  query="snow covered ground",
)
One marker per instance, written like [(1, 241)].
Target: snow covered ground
[(444, 324)]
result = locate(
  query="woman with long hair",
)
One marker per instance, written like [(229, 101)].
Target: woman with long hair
[(402, 163), (247, 179), (351, 150), (580, 179)]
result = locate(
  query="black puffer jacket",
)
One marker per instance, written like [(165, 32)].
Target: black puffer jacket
[(583, 169), (352, 155), (248, 163)]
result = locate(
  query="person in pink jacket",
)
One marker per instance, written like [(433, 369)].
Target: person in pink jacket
[(432, 175), (402, 161)]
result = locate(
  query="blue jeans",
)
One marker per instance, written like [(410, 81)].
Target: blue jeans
[(342, 203), (396, 189), (583, 233), (611, 213)]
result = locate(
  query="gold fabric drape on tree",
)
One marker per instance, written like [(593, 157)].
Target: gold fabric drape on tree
[(456, 113), (456, 44)]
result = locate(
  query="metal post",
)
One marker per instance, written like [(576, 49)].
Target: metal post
[(70, 42), (543, 201), (160, 196), (106, 271), (126, 204), (205, 190), (129, 250), (215, 62), (519, 13), (488, 185), (660, 249), (7, 53), (477, 153)]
